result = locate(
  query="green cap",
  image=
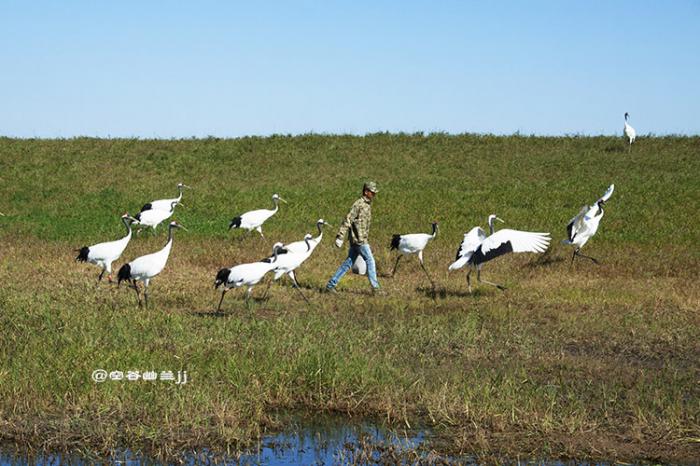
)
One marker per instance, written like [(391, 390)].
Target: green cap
[(371, 186)]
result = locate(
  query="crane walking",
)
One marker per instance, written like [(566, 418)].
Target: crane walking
[(146, 267), (247, 275), (254, 219), (413, 243), (103, 254), (164, 204)]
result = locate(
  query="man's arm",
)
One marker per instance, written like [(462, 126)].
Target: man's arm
[(349, 218)]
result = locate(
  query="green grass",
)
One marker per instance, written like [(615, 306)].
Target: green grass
[(592, 361)]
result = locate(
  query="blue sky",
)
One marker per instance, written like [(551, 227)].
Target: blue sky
[(181, 69)]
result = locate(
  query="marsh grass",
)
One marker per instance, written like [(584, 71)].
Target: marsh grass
[(583, 361)]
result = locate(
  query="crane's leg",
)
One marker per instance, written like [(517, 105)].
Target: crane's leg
[(396, 265), (269, 284), (469, 282), (293, 275), (99, 277), (573, 256), (420, 259), (478, 279), (136, 288), (145, 291), (296, 286), (259, 230), (595, 261), (247, 295), (223, 293)]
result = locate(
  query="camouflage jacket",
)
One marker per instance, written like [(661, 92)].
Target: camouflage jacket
[(357, 221)]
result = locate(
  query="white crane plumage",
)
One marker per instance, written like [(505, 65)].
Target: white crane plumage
[(301, 246), (477, 248), (154, 217), (146, 267), (583, 226), (165, 204), (243, 275), (413, 243), (254, 219), (629, 131), (287, 261), (103, 254)]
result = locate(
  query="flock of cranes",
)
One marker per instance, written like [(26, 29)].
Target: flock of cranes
[(475, 250)]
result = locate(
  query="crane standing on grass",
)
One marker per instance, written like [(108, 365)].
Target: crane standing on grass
[(243, 275), (154, 217), (477, 248), (254, 219), (629, 131), (286, 262), (164, 204), (583, 226), (103, 254), (146, 267), (413, 243)]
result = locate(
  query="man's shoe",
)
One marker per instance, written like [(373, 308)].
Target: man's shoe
[(330, 290)]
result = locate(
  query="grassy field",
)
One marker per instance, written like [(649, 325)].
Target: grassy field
[(586, 362)]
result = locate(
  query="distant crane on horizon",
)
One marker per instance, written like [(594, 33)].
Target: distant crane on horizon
[(629, 132)]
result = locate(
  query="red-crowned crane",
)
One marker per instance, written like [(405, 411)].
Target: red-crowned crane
[(103, 254), (254, 219), (413, 243), (288, 261), (164, 204), (301, 246), (629, 131), (477, 248), (154, 217), (243, 275), (146, 267), (582, 227)]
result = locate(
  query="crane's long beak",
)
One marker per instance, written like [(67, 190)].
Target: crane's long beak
[(185, 186), (180, 226), (181, 204), (327, 224), (500, 220), (283, 200)]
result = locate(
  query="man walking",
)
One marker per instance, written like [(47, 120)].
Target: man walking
[(356, 226)]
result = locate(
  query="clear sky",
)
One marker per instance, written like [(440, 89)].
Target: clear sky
[(198, 68)]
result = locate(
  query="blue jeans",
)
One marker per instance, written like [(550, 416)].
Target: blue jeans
[(355, 250)]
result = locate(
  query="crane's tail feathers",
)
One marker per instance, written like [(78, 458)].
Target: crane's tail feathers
[(221, 277), (82, 254), (124, 273), (395, 240), (459, 263)]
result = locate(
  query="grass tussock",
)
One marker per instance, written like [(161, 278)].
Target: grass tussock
[(583, 361)]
